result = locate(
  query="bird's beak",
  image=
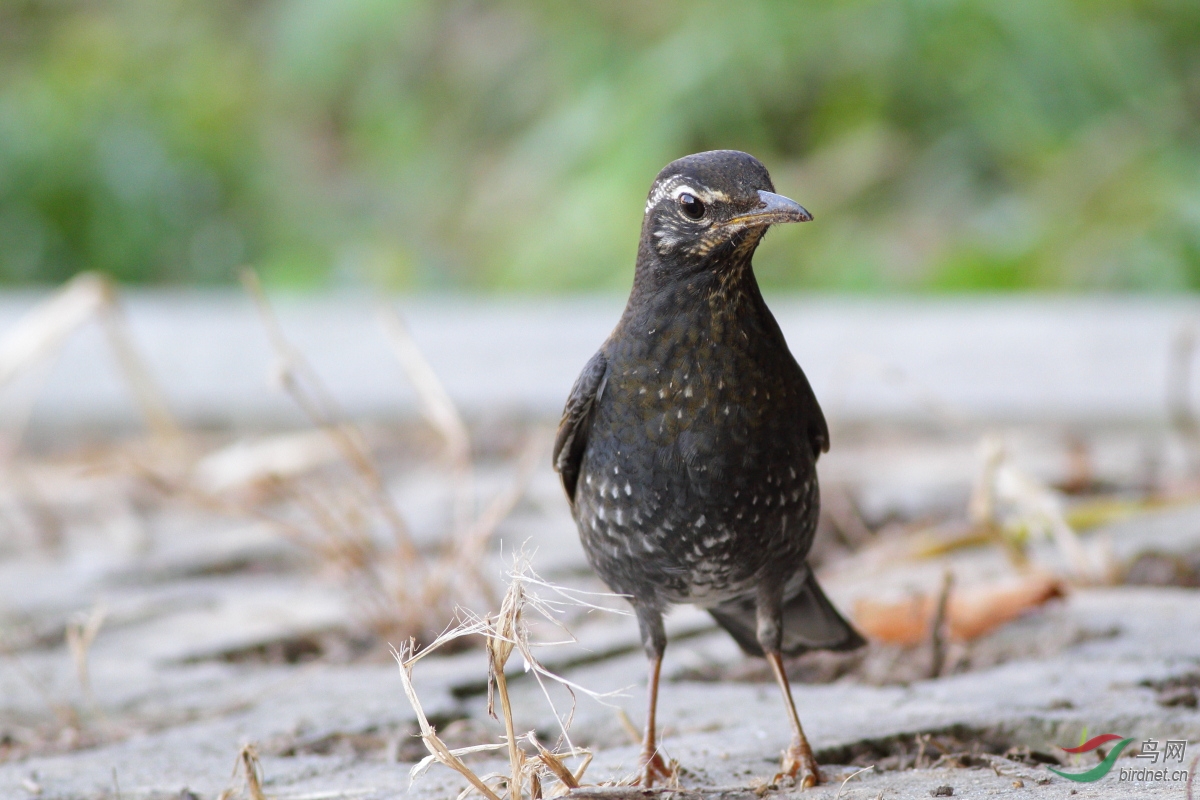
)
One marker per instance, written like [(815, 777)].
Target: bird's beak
[(772, 208)]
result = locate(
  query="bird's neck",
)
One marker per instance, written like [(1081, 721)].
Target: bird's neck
[(722, 289)]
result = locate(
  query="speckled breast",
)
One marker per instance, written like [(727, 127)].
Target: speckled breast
[(698, 480)]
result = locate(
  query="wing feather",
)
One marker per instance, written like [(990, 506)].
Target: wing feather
[(576, 423)]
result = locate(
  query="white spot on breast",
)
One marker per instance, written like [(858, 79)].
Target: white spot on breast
[(620, 517), (679, 414), (600, 512), (641, 390), (687, 392), (792, 471), (662, 394), (700, 521), (628, 489)]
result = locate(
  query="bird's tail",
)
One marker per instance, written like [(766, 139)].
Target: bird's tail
[(810, 622)]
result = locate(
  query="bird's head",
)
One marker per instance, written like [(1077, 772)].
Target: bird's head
[(710, 209)]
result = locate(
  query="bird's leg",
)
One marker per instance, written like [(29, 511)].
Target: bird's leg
[(652, 764), (799, 763), (654, 639)]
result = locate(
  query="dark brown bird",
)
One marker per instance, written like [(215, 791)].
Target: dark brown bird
[(689, 443)]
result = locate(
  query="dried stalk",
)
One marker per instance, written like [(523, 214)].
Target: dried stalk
[(145, 390), (501, 638), (553, 763), (250, 767), (439, 409), (847, 780), (504, 633), (1002, 486), (406, 657), (306, 389), (1179, 402), (80, 635), (42, 331), (938, 627)]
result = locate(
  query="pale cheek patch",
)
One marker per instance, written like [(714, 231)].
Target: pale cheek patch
[(670, 235)]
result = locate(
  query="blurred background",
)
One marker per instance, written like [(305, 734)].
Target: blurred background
[(487, 146), (222, 498)]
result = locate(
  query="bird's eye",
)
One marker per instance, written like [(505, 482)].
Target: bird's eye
[(691, 206)]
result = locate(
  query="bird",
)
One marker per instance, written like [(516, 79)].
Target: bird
[(688, 444)]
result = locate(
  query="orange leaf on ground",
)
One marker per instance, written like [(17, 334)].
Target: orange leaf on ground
[(970, 613)]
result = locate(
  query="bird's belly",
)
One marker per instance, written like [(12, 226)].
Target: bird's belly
[(668, 532)]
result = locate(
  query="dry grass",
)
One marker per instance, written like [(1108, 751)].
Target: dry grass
[(81, 633), (533, 768), (249, 769), (321, 488)]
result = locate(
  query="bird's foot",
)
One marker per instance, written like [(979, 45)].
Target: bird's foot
[(654, 768), (799, 767)]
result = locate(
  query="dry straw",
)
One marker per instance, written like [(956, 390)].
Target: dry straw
[(532, 767)]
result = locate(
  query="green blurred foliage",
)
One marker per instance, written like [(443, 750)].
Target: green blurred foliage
[(942, 144)]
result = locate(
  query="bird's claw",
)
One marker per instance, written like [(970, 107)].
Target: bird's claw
[(799, 767), (654, 767)]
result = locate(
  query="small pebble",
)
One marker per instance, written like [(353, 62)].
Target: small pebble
[(1018, 784), (942, 791)]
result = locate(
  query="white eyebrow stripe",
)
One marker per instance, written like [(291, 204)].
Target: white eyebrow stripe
[(662, 191), (673, 187)]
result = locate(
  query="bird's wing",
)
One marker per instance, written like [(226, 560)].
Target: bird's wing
[(810, 410), (818, 429), (572, 436)]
